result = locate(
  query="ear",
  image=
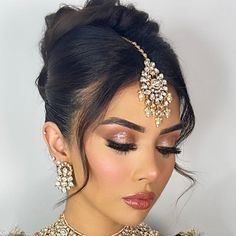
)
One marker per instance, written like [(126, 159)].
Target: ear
[(55, 141)]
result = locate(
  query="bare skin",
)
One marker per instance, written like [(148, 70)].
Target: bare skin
[(99, 209)]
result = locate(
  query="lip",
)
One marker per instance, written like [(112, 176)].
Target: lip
[(141, 200)]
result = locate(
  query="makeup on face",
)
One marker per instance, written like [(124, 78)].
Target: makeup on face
[(139, 128), (141, 200), (122, 136), (169, 139), (116, 133)]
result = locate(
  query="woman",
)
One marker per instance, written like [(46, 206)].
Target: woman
[(117, 109)]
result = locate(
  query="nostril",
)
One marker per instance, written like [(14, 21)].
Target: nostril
[(151, 175)]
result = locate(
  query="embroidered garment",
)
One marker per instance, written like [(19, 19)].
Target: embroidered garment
[(62, 228)]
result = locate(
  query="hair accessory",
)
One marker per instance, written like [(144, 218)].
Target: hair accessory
[(64, 179), (153, 89)]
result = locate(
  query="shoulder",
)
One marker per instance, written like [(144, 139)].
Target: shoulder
[(153, 232), (191, 232), (16, 232), (146, 229)]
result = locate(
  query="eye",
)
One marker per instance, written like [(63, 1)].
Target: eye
[(121, 148), (166, 151), (124, 148)]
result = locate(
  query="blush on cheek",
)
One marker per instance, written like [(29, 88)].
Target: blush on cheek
[(106, 168)]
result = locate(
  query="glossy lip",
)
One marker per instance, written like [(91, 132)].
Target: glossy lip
[(141, 200), (141, 195)]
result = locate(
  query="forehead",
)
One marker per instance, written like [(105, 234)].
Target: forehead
[(126, 105)]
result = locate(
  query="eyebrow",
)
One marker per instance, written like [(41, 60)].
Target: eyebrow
[(131, 125)]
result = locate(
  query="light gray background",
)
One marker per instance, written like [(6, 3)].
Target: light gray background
[(203, 34)]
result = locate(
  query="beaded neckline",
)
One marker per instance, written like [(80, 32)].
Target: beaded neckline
[(62, 228), (81, 234)]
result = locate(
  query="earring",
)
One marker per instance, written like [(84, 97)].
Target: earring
[(64, 178)]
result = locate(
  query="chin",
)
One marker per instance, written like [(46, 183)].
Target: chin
[(126, 215), (134, 218)]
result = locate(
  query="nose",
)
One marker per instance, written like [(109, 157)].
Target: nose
[(147, 166)]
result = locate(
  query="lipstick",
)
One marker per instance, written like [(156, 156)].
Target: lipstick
[(142, 200)]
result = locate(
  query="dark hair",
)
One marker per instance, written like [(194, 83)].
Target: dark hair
[(86, 61)]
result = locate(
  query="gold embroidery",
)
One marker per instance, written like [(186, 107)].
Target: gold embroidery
[(61, 227)]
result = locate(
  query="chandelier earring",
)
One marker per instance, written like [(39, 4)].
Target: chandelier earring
[(64, 176)]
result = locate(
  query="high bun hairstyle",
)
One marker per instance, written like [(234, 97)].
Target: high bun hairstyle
[(86, 61)]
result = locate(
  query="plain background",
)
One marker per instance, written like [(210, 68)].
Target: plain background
[(203, 34)]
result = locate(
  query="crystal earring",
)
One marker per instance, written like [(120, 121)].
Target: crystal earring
[(64, 178)]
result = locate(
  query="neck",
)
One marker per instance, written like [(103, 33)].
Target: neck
[(85, 219)]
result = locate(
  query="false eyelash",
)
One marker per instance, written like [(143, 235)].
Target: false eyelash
[(124, 148), (166, 151)]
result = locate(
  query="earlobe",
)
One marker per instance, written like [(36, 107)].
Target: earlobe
[(55, 141)]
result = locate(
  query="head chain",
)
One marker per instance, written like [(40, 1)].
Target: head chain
[(153, 89)]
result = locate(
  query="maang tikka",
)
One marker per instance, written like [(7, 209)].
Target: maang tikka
[(153, 89)]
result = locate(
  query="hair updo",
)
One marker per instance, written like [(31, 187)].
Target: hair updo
[(86, 61)]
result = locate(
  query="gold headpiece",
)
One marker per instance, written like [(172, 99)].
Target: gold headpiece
[(153, 89)]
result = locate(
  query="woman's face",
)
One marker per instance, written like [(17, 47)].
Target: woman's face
[(116, 173)]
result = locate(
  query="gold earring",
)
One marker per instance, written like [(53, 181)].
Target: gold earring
[(64, 178)]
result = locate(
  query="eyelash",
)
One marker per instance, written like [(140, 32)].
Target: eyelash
[(124, 148)]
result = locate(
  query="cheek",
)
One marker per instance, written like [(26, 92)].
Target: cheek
[(107, 169), (167, 167)]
